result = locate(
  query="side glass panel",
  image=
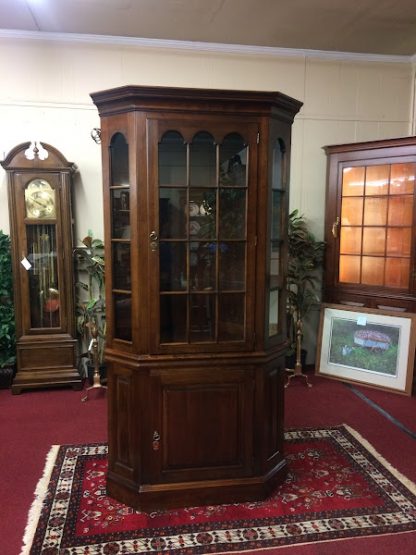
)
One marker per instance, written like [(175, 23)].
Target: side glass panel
[(120, 237), (275, 241), (120, 213), (43, 276), (202, 247), (122, 315), (119, 156), (376, 222)]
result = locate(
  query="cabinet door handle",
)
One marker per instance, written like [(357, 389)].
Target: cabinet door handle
[(154, 240), (335, 226)]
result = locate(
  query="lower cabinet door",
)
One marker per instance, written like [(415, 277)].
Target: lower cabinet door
[(202, 425)]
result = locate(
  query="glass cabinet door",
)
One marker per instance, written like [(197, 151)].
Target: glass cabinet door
[(277, 206), (120, 237), (376, 218), (203, 186)]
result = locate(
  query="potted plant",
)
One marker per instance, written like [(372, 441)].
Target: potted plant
[(305, 257), (90, 300), (7, 321)]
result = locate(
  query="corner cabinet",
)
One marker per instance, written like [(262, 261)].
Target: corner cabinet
[(370, 224), (39, 195), (195, 202)]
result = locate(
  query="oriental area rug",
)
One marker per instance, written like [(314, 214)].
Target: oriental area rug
[(337, 487)]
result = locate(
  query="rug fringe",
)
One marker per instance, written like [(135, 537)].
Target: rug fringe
[(36, 508), (396, 473)]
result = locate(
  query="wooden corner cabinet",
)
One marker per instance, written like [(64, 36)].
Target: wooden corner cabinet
[(39, 195), (370, 224), (195, 205)]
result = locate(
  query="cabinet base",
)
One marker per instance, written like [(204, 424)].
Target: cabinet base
[(40, 380), (191, 494)]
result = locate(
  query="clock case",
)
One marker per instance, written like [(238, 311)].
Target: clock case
[(45, 329)]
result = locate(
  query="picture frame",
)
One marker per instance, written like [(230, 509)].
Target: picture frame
[(370, 347)]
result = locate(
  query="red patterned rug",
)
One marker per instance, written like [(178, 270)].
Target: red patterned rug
[(337, 487)]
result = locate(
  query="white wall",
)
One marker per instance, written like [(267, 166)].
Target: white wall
[(45, 96), (46, 86)]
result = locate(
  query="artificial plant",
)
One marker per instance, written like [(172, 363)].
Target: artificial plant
[(7, 319), (305, 258), (90, 295)]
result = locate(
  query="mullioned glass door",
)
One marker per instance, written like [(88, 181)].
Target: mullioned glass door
[(375, 225), (201, 235)]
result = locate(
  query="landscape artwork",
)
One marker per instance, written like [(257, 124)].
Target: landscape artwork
[(367, 346), (370, 347)]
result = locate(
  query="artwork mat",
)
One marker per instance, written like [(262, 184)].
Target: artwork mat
[(405, 321)]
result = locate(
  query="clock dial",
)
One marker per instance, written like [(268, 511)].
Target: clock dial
[(40, 200)]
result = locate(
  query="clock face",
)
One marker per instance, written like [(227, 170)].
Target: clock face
[(40, 200)]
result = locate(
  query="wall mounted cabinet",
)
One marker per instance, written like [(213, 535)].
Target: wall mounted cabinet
[(370, 224), (195, 200)]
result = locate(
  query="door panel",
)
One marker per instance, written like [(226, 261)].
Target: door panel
[(202, 177), (203, 424)]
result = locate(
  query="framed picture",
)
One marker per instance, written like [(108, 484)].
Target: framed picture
[(375, 348)]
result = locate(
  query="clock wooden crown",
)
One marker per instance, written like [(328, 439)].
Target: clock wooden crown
[(17, 159)]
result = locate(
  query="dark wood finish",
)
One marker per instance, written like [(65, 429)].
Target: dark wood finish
[(45, 327), (371, 155), (195, 367)]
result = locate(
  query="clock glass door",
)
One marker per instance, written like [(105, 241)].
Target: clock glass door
[(41, 255), (43, 276)]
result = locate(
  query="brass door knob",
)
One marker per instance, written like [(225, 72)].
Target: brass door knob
[(154, 240)]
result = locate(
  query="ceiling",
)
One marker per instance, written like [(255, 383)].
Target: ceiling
[(384, 27)]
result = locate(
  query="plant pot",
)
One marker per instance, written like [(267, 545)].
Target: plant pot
[(102, 370), (290, 360), (6, 377)]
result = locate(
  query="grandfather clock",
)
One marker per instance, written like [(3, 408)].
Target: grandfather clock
[(39, 193)]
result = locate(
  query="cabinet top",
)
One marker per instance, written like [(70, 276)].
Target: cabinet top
[(371, 145), (143, 98)]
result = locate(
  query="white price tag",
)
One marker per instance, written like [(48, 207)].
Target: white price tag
[(91, 344), (25, 263), (361, 321)]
